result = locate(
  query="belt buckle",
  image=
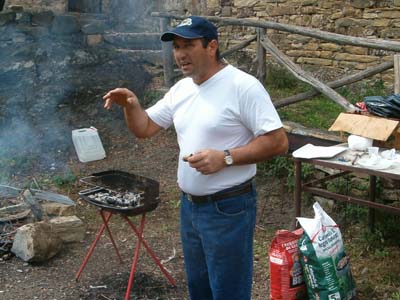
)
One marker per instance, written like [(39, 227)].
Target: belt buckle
[(189, 197)]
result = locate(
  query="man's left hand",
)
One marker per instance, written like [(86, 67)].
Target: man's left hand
[(207, 161)]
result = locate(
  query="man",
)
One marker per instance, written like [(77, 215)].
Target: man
[(225, 123)]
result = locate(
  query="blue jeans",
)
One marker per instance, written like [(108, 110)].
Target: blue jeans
[(217, 242)]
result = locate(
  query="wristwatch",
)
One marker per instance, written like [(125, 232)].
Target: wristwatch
[(228, 158)]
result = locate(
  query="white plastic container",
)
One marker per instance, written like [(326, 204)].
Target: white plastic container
[(87, 144)]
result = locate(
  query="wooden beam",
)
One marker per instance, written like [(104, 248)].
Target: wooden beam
[(305, 77), (239, 46), (306, 31), (168, 60), (335, 84), (261, 56), (396, 59)]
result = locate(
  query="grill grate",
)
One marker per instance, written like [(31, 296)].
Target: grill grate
[(121, 192)]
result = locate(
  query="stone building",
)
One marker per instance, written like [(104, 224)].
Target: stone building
[(359, 18)]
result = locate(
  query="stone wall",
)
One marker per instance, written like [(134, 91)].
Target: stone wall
[(57, 6), (61, 6), (118, 11), (359, 18)]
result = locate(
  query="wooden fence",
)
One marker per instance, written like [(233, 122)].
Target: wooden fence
[(265, 44)]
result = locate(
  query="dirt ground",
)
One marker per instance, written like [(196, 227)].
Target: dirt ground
[(104, 278)]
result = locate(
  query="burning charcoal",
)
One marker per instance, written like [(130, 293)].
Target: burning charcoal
[(111, 200), (121, 199), (134, 203)]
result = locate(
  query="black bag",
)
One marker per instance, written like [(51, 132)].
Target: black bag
[(384, 106)]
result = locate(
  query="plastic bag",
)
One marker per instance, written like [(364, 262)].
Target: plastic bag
[(326, 266), (384, 106), (286, 272), (359, 143)]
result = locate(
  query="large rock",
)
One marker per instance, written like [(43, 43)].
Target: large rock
[(43, 18), (362, 3), (68, 229), (65, 24), (36, 242), (57, 209), (7, 17)]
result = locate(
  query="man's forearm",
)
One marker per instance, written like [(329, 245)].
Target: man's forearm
[(262, 148), (139, 122)]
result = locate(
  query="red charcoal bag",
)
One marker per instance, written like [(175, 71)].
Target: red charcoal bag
[(286, 273)]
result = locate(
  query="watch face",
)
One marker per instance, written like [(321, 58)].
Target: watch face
[(228, 160)]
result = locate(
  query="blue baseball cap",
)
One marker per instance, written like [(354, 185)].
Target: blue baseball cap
[(193, 27)]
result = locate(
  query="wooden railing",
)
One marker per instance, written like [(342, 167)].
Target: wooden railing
[(265, 44)]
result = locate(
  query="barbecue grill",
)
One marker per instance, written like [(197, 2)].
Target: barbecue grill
[(121, 183), (127, 195)]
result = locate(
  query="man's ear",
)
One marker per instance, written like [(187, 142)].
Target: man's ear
[(213, 46)]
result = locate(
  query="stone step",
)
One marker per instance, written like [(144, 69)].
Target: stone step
[(134, 41), (153, 57)]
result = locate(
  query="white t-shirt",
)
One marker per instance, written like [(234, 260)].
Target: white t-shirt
[(224, 112)]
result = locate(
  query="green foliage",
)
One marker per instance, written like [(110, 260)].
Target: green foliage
[(280, 78), (175, 203), (352, 212), (388, 227), (64, 179), (396, 296), (278, 167), (316, 113), (283, 167), (381, 253), (320, 111), (373, 239), (341, 185)]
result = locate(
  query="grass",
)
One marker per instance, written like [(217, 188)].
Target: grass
[(318, 112), (65, 179)]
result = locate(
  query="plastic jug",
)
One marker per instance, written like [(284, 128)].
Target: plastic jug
[(87, 144)]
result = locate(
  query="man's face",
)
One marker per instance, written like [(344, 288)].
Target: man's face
[(193, 59)]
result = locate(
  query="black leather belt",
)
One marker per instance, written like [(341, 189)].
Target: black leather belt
[(234, 191)]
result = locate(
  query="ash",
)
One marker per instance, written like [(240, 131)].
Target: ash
[(127, 199)]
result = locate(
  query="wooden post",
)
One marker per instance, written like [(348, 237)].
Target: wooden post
[(396, 73), (261, 56), (168, 61)]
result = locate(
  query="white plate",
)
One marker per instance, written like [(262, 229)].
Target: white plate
[(374, 164), (311, 151)]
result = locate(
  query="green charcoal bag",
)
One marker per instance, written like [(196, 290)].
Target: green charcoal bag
[(326, 267)]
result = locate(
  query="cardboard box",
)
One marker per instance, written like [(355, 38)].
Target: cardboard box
[(384, 131)]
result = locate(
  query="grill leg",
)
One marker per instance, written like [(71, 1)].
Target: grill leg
[(110, 235), (135, 259), (93, 246), (156, 260)]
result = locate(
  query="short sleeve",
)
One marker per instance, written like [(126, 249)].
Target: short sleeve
[(161, 112), (257, 110)]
